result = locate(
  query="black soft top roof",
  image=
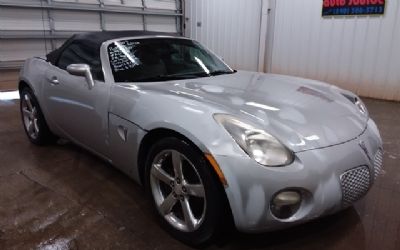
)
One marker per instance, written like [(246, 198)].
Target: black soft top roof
[(93, 40)]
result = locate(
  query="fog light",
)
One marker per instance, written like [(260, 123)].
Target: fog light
[(285, 204)]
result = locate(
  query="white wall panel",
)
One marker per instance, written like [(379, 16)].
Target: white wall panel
[(161, 4), (123, 22), (22, 19), (231, 28), (152, 4), (21, 1), (161, 23), (15, 49), (130, 3), (78, 1), (76, 21), (361, 54)]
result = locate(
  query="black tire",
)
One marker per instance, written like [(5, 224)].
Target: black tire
[(42, 134), (215, 213)]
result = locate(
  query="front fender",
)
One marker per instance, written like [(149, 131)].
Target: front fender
[(180, 130), (192, 118)]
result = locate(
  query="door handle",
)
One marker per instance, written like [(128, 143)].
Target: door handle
[(54, 80)]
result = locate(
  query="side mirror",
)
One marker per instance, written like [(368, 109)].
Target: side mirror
[(82, 70)]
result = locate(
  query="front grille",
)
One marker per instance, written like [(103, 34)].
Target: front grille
[(355, 184), (378, 163)]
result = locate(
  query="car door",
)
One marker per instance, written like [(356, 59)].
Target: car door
[(79, 112)]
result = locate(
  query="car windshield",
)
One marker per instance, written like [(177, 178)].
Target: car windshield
[(162, 59)]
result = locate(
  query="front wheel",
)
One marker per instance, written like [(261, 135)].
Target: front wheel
[(186, 195)]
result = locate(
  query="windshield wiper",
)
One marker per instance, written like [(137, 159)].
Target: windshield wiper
[(189, 75), (173, 77), (192, 74), (221, 72)]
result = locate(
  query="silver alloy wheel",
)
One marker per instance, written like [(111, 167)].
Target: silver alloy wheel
[(30, 116), (175, 204)]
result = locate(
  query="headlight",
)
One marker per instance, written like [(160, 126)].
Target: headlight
[(258, 144), (358, 102)]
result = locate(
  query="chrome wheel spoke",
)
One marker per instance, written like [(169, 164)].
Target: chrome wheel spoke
[(27, 113), (30, 127), (30, 116), (196, 190), (35, 126), (167, 205), (161, 175), (28, 102), (177, 164), (190, 220)]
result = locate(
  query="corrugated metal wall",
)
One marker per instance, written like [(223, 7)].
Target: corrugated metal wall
[(361, 54), (230, 28)]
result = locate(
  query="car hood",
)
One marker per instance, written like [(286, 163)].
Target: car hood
[(303, 114)]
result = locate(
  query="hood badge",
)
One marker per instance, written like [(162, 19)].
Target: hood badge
[(365, 149)]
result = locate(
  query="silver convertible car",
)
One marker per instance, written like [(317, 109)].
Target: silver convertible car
[(211, 145)]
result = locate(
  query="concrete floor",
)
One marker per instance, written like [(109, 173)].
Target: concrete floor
[(61, 197)]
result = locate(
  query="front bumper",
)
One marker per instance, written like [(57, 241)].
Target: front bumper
[(316, 172)]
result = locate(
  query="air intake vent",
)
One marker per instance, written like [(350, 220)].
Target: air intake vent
[(355, 184)]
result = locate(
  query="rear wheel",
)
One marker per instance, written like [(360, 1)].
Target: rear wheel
[(184, 191), (33, 120)]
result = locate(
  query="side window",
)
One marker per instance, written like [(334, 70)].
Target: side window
[(76, 53)]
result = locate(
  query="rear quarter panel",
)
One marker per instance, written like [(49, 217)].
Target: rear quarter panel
[(33, 73)]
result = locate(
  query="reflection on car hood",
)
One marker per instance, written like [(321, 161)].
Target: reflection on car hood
[(303, 114)]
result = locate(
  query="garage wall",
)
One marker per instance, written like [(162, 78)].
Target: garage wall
[(35, 27), (230, 28), (361, 54)]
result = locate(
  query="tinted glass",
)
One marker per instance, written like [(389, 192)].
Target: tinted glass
[(162, 59), (76, 53)]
